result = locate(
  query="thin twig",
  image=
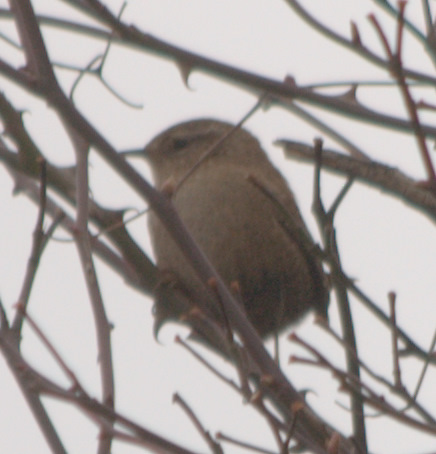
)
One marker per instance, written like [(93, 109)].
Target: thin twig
[(35, 255), (425, 368), (401, 392), (326, 226), (253, 83), (396, 69), (290, 431), (102, 326), (206, 364), (40, 241), (24, 377), (376, 174), (324, 128), (215, 146), (354, 385), (243, 444), (50, 347), (394, 331), (95, 410), (426, 40), (213, 445)]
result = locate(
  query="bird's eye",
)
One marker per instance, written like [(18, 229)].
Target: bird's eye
[(180, 143)]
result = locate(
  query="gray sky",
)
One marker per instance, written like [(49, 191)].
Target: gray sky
[(384, 245)]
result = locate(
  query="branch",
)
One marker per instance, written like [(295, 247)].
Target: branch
[(102, 326), (19, 369), (381, 176), (325, 221), (253, 83), (98, 412), (396, 69), (62, 181), (354, 45)]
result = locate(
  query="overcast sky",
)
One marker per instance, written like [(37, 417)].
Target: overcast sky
[(385, 245)]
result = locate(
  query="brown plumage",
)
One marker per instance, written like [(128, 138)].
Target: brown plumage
[(242, 214)]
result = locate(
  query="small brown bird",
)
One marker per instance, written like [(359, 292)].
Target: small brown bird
[(242, 214)]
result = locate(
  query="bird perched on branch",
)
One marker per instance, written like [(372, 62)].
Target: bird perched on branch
[(242, 214)]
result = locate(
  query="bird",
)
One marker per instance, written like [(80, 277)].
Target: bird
[(242, 214)]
